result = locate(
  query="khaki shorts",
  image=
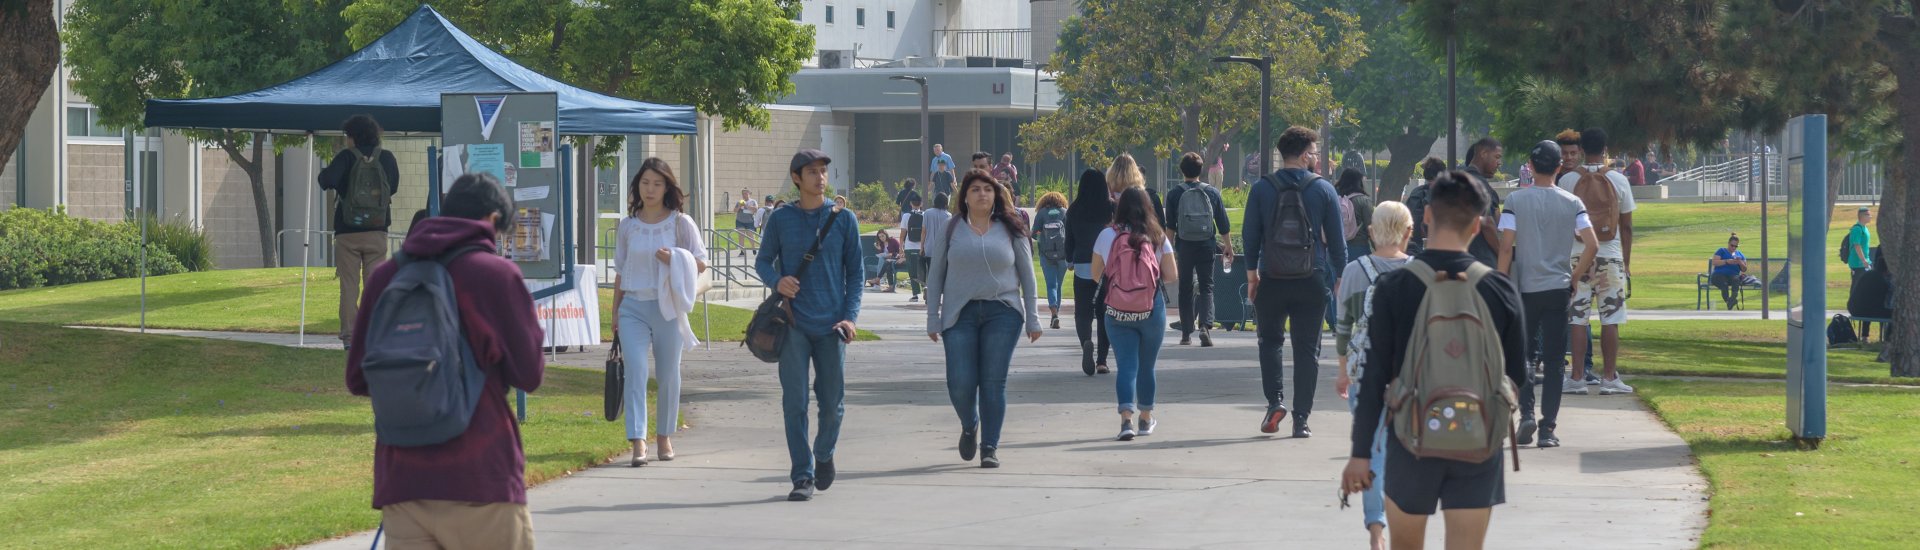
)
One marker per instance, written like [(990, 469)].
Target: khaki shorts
[(435, 524), (1607, 289)]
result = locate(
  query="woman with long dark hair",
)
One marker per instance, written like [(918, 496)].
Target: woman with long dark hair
[(1353, 188), (1091, 211), (1133, 248), (980, 293), (655, 233)]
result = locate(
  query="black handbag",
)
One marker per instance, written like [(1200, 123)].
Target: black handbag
[(767, 331), (616, 381)]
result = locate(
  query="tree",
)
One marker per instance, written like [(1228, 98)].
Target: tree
[(1138, 73), (1396, 98), (123, 52), (33, 51)]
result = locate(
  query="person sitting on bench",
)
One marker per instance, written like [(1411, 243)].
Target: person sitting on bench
[(1728, 266), (1872, 294)]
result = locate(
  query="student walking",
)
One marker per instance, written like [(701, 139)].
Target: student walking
[(826, 303), (469, 491), (364, 179), (1090, 214), (1125, 174), (652, 242), (1609, 203), (1050, 233), (1200, 226), (1133, 257), (933, 224), (1541, 225), (1417, 485), (1292, 233), (1416, 201), (1354, 200), (913, 236), (1391, 226), (1483, 161), (979, 295)]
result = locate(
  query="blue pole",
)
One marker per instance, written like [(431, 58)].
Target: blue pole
[(433, 181), (1814, 301)]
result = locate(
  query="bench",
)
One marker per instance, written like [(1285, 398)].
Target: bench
[(1864, 321), (1704, 291)]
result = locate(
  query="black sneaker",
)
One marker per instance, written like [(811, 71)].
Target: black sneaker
[(1186, 339), (824, 471), (1548, 440), (1206, 340), (1527, 427), (1270, 422), (1300, 429), (802, 491), (969, 437), (987, 458), (1056, 322), (1086, 358)]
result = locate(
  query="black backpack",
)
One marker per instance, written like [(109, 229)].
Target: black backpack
[(1846, 246), (916, 226), (420, 371), (1417, 206), (1840, 331), (1287, 247)]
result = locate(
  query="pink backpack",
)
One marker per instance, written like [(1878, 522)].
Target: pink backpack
[(1349, 223), (1132, 278)]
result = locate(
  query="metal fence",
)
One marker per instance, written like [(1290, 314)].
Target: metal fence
[(1002, 43)]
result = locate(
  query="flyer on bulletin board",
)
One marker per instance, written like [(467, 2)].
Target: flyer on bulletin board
[(489, 158), (536, 144)]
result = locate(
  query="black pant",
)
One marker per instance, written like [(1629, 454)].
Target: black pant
[(1546, 322), (1729, 286), (1195, 262), (1292, 306), (1864, 326), (1089, 313)]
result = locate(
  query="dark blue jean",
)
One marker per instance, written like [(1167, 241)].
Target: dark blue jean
[(979, 349), (1136, 347), (1053, 273), (827, 355)]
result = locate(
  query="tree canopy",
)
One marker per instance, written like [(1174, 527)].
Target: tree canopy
[(1395, 99)]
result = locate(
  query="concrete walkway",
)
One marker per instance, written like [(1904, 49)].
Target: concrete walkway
[(1207, 478)]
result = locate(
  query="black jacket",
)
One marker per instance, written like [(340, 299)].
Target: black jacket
[(1090, 212), (334, 178)]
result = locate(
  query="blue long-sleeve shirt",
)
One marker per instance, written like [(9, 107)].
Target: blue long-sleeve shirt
[(1323, 213), (830, 289)]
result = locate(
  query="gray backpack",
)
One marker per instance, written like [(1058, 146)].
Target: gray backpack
[(1196, 213), (1053, 234), (368, 195), (1452, 398), (420, 371)]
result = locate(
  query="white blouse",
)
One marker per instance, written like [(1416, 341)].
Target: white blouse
[(637, 241)]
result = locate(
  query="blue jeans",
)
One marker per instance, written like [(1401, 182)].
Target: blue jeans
[(979, 351), (828, 357), (642, 329), (1136, 346), (1053, 272), (1373, 504)]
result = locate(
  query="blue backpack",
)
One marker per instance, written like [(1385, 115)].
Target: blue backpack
[(420, 371)]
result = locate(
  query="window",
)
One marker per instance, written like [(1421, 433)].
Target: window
[(83, 121), (889, 19), (829, 14), (860, 17)]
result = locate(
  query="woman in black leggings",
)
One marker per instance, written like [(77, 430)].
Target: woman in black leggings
[(1090, 212)]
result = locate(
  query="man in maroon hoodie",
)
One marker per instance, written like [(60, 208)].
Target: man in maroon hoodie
[(471, 491)]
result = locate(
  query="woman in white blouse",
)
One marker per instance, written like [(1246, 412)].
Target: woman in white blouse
[(647, 237)]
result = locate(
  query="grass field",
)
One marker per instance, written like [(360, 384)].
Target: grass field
[(1734, 349), (1856, 491), (113, 440)]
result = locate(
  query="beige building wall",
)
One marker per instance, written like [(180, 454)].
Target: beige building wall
[(8, 183), (96, 182), (757, 159), (227, 212)]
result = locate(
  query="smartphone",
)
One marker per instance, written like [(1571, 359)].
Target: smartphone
[(844, 335)]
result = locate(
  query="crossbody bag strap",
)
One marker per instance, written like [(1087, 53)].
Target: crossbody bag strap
[(807, 259)]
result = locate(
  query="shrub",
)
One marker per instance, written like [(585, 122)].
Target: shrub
[(872, 204), (185, 242), (48, 247)]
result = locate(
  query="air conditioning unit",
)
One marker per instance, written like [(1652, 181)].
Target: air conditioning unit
[(836, 59)]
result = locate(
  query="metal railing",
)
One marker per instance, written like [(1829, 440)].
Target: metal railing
[(730, 256), (1003, 43)]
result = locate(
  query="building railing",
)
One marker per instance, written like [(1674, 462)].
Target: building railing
[(1003, 43)]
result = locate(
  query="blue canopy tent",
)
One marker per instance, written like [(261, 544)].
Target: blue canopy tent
[(398, 79)]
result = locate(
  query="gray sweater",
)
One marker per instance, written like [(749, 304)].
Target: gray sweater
[(993, 266)]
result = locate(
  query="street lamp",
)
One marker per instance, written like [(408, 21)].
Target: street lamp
[(1033, 162), (924, 150), (1265, 64)]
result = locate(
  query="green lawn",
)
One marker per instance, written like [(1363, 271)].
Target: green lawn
[(113, 440), (1673, 241), (1856, 491), (1734, 349)]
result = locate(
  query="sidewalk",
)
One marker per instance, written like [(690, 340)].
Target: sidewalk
[(1206, 478)]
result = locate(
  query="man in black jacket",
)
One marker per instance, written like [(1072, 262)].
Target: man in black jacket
[(1195, 256), (356, 249)]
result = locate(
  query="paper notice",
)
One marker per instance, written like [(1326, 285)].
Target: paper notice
[(531, 193), (524, 242), (489, 158), (451, 165), (489, 108), (536, 144)]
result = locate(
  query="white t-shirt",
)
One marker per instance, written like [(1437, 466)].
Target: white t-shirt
[(906, 244), (1621, 189), (1509, 223), (1104, 244), (637, 241)]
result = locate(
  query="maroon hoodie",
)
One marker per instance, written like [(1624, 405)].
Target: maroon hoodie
[(485, 464)]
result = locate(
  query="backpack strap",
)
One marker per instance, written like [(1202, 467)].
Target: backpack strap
[(1421, 272), (1371, 271)]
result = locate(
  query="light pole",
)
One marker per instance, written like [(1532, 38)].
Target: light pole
[(1033, 163), (1453, 105), (925, 152), (1265, 64)]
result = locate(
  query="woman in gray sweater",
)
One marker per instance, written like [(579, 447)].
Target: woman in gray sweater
[(980, 292)]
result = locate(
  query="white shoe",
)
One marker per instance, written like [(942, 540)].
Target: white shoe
[(1571, 386), (1614, 386)]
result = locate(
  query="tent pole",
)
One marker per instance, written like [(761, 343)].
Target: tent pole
[(306, 240)]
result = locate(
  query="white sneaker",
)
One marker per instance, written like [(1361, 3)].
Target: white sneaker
[(1571, 386), (1614, 386)]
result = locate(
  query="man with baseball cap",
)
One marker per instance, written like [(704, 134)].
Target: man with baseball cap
[(826, 302), (1538, 228)]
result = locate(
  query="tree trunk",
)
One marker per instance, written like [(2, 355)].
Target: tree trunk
[(1407, 151), (1897, 231), (262, 205), (32, 49)]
